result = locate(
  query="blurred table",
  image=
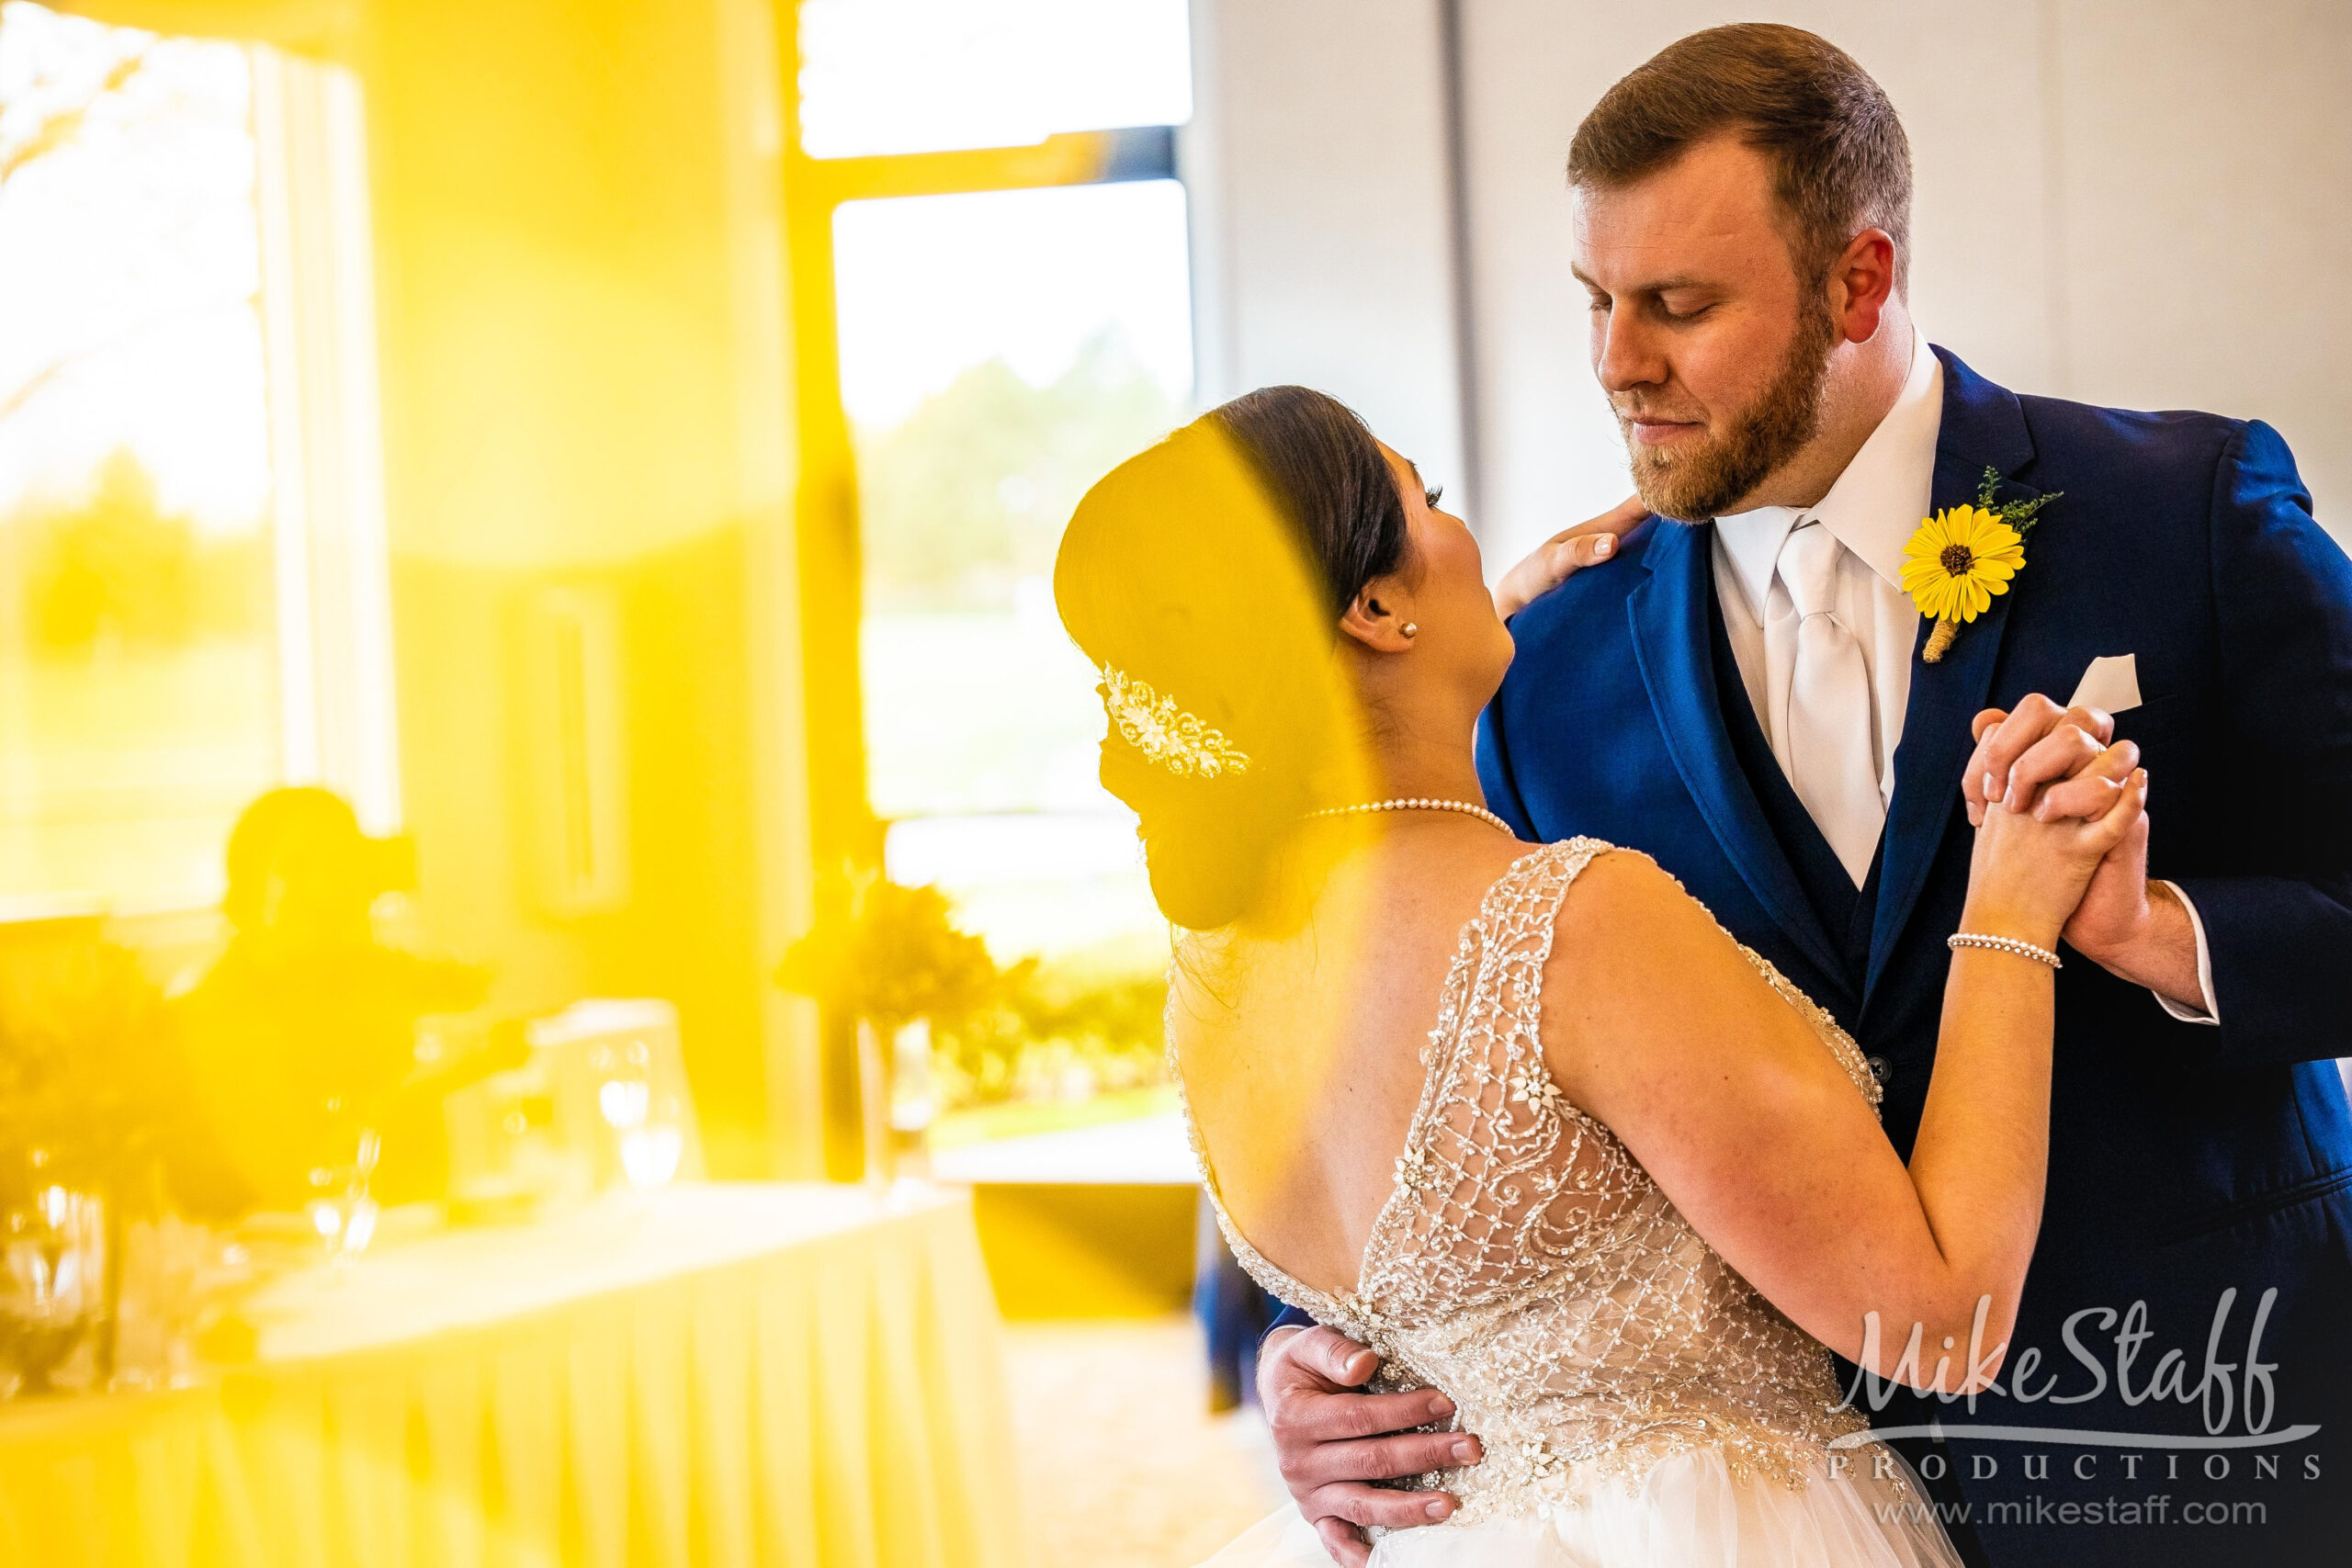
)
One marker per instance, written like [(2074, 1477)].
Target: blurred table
[(709, 1374)]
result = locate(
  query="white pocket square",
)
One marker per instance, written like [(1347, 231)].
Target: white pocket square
[(2112, 684)]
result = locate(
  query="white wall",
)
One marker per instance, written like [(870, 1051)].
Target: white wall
[(1317, 168), (2145, 203), (2205, 152)]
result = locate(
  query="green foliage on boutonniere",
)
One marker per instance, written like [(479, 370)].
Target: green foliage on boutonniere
[(2020, 514)]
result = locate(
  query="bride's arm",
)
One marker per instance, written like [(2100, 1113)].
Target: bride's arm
[(1662, 1030)]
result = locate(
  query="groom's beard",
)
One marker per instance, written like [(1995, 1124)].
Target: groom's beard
[(1707, 483)]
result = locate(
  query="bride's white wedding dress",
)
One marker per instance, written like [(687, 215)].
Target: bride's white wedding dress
[(1640, 1405)]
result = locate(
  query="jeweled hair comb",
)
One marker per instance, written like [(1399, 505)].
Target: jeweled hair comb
[(1184, 743)]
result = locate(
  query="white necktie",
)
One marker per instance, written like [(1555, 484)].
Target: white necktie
[(1826, 745)]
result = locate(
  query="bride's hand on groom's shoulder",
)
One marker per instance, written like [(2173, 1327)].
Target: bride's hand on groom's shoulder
[(1564, 553)]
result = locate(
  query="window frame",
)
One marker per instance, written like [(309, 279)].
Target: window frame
[(846, 835)]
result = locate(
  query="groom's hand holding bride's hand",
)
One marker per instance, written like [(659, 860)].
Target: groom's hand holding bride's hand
[(1564, 553), (2126, 924), (1331, 1440)]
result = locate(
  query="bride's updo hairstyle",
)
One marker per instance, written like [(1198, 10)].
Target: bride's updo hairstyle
[(1205, 579)]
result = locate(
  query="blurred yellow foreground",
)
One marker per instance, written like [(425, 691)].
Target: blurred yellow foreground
[(561, 958)]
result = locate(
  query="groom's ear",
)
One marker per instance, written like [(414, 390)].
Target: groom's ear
[(1376, 618), (1861, 281)]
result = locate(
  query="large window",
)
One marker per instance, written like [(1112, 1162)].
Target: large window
[(999, 353), (190, 557), (1010, 304)]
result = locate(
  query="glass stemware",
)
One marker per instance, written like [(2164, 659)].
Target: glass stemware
[(648, 1121), (52, 1281), (340, 1208)]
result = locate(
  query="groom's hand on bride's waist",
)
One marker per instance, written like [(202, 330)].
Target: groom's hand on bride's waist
[(1333, 1441)]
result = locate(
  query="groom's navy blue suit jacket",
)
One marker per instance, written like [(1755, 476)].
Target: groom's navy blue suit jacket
[(2186, 1161)]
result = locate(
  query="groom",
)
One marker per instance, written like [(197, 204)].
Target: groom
[(1751, 696)]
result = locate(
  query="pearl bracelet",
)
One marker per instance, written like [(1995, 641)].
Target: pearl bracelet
[(1959, 940)]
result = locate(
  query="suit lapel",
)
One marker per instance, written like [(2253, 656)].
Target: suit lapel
[(1669, 625), (1983, 427)]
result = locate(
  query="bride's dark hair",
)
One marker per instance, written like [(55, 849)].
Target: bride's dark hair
[(1214, 567)]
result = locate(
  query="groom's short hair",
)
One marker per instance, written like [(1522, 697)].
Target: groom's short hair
[(1844, 164)]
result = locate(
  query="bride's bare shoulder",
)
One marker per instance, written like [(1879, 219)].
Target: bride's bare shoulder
[(1604, 880), (1646, 994), (1628, 925)]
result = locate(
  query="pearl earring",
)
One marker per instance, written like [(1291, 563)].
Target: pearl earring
[(1411, 629)]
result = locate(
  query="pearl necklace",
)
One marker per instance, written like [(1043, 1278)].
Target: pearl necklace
[(1419, 803)]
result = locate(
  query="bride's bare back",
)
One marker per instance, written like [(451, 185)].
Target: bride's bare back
[(1301, 1055)]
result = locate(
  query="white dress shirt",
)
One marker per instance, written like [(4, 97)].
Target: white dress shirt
[(1873, 510)]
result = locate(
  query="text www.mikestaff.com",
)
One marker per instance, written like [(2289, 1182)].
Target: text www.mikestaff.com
[(2036, 1509)]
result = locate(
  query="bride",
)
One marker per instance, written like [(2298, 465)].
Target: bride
[(1523, 1119)]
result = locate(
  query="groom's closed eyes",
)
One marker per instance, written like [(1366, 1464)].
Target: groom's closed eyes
[(1672, 299)]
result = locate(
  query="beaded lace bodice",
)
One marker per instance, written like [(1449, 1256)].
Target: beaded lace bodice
[(1525, 1264)]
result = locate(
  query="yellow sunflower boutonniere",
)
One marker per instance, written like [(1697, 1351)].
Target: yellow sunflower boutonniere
[(1964, 556)]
